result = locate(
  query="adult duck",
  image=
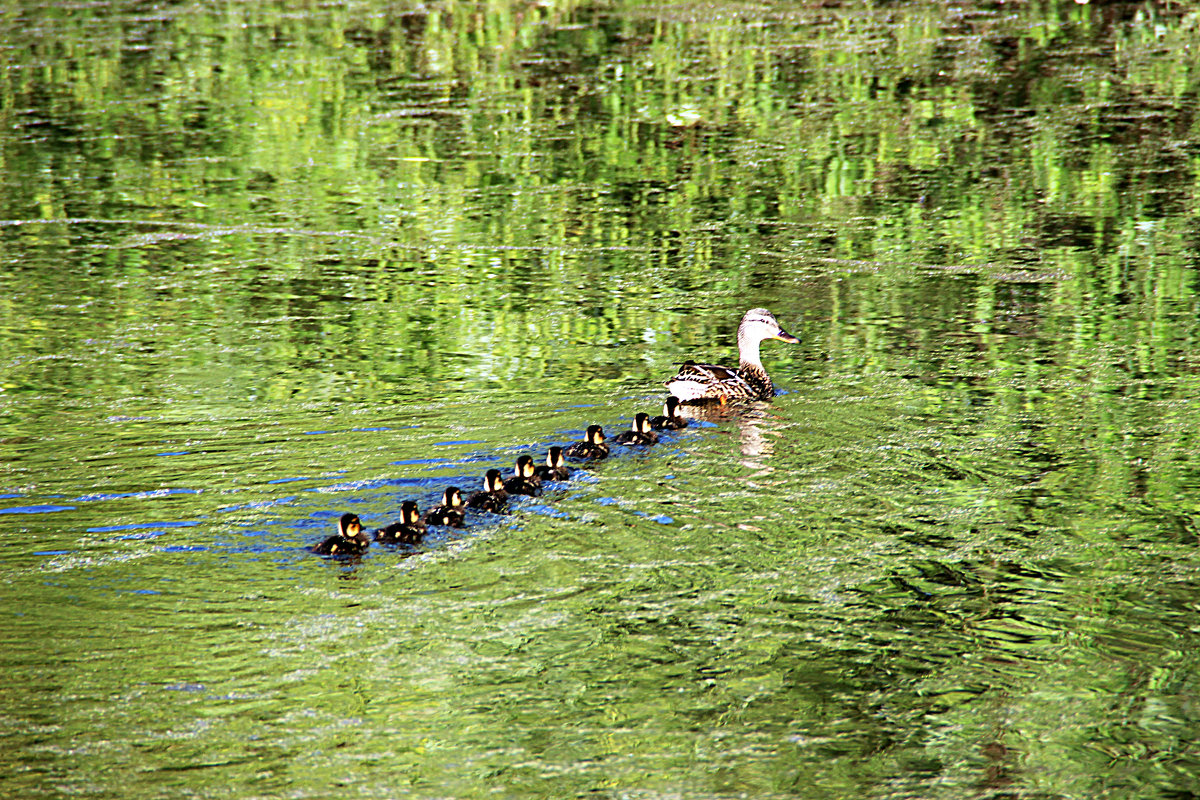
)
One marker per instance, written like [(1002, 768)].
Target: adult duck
[(350, 540), (409, 530), (697, 383)]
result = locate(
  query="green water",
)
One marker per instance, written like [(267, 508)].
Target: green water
[(263, 264)]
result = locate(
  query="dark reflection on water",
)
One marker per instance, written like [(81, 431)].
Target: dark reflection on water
[(264, 265)]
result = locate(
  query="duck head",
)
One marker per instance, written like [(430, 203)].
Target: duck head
[(349, 527), (554, 457), (452, 497), (524, 467), (408, 512), (759, 324), (492, 481)]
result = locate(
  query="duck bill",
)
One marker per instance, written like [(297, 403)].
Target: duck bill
[(784, 336)]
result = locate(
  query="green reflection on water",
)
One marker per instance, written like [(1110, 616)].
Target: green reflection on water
[(264, 264)]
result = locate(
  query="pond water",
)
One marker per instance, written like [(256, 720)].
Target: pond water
[(265, 263)]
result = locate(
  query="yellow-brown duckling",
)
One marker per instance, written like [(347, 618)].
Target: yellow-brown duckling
[(555, 468), (350, 539), (524, 479), (409, 530), (493, 498), (639, 432), (450, 512), (593, 447), (670, 419)]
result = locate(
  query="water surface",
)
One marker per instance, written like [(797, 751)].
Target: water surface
[(266, 264)]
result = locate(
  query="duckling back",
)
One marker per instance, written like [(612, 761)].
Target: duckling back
[(592, 448), (639, 433), (670, 419), (524, 479), (450, 512), (409, 530), (350, 539), (555, 468), (493, 498)]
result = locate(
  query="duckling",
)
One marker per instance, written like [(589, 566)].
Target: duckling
[(450, 512), (409, 530), (639, 432), (670, 418), (524, 479), (348, 541), (593, 447), (555, 468), (493, 497), (702, 382)]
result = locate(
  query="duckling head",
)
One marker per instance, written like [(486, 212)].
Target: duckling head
[(554, 457), (641, 422), (452, 497), (524, 467), (492, 481), (349, 527), (672, 405), (595, 434), (408, 512)]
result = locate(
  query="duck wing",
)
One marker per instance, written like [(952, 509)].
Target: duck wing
[(701, 381)]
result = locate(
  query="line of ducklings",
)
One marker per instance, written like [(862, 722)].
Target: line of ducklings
[(695, 383), (352, 539)]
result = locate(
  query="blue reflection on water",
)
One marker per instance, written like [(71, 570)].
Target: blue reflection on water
[(43, 509), (546, 511)]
